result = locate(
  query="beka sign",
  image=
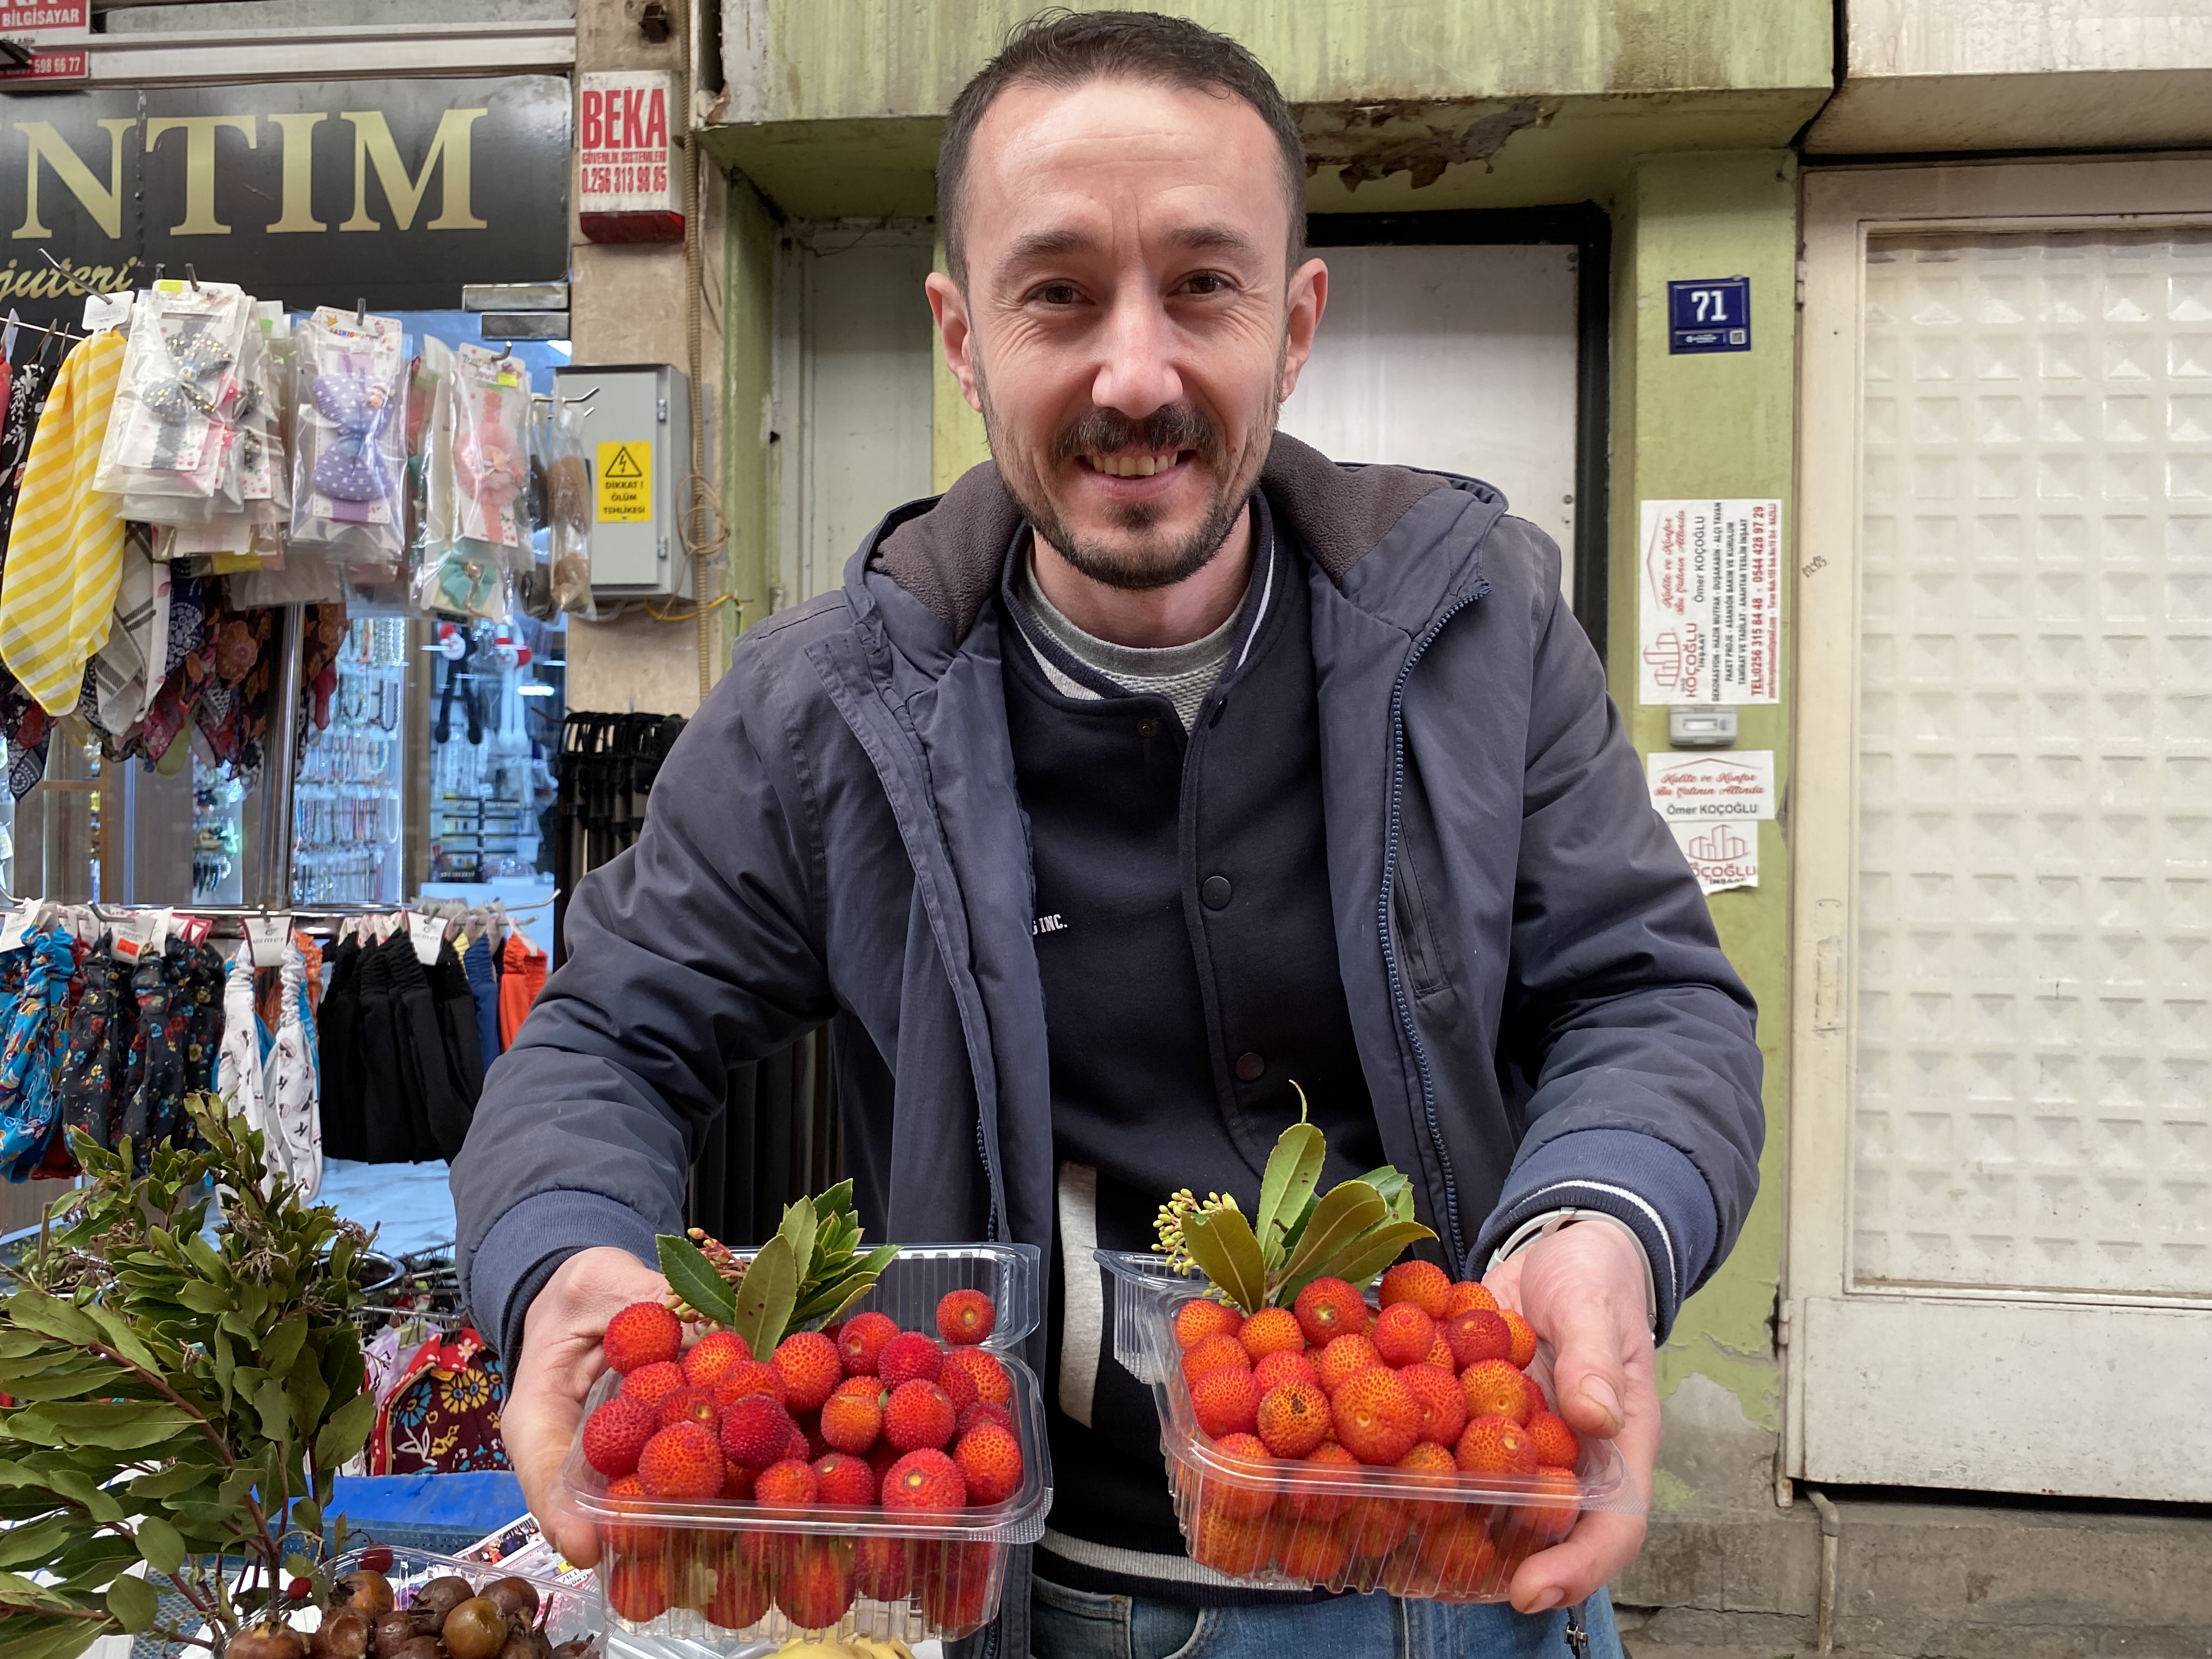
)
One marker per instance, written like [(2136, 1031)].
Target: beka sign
[(393, 191)]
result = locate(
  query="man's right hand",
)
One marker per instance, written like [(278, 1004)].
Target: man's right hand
[(559, 1362)]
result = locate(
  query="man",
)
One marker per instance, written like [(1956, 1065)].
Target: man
[(1158, 765)]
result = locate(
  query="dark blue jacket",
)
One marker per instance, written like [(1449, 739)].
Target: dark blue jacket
[(1542, 1012)]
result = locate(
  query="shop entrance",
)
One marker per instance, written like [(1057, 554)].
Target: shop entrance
[(2002, 1146)]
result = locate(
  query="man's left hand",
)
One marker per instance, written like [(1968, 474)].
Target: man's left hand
[(1581, 1289)]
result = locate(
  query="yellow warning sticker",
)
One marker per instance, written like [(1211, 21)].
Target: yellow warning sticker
[(626, 482)]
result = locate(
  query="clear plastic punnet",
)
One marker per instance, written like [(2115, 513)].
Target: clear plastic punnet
[(1434, 1536), (568, 1604), (721, 1575)]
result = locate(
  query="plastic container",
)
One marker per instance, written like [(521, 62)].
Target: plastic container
[(733, 1574), (568, 1601), (1439, 1537)]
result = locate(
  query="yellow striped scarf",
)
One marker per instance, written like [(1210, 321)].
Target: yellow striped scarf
[(64, 554)]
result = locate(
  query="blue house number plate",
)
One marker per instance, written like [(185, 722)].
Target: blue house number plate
[(1711, 315)]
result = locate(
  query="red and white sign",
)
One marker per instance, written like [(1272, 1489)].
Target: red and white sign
[(48, 66), (1709, 609), (625, 161), (50, 24)]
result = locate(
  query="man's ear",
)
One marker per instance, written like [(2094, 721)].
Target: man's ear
[(1309, 298), (949, 306)]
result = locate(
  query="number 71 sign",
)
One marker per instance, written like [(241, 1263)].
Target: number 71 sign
[(1709, 314)]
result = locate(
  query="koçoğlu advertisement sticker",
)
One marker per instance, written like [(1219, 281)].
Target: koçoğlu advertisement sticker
[(1705, 786), (1710, 607), (1722, 855)]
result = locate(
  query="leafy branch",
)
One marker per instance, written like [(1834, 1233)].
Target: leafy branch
[(805, 1277), (183, 1399), (1351, 1232)]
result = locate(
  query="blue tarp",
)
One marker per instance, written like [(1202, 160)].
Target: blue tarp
[(440, 1513)]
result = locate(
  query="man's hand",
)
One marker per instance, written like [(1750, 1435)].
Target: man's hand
[(559, 1362), (1583, 1290)]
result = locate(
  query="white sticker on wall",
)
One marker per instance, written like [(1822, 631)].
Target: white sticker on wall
[(1709, 602), (1723, 855), (1701, 786)]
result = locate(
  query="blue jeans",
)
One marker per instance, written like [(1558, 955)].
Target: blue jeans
[(1066, 1624)]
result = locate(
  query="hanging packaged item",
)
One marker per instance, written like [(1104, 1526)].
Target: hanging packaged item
[(490, 396), (569, 504), (265, 473), (476, 530), (348, 437), (168, 455)]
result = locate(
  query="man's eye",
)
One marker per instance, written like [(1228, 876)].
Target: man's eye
[(1206, 282), (1056, 293)]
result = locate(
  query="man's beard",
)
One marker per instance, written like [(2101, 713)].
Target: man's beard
[(1155, 562)]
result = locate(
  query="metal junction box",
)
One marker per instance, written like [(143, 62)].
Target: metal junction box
[(637, 439)]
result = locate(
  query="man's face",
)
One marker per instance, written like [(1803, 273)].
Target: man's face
[(1127, 326)]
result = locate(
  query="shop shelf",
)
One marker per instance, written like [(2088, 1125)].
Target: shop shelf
[(1454, 1537), (913, 1577)]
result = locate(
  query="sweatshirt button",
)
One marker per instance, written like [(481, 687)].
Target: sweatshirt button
[(1215, 893), (1148, 727), (1248, 1068)]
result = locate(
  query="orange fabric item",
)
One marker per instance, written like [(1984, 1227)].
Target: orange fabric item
[(521, 977)]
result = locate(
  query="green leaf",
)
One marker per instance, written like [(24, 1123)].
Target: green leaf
[(282, 1346), (1222, 1244), (1371, 1252), (766, 1297), (163, 1484), (1396, 1188), (72, 1382), (346, 1433), (48, 1636), (33, 1544), (838, 1201), (160, 1546), (274, 1407), (51, 1316), (307, 1517), (1293, 1171), (133, 1603), (78, 1487), (692, 1277), (113, 1425), (798, 1231), (1345, 1211)]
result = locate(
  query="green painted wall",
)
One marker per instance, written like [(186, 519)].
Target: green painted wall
[(748, 458), (1721, 425)]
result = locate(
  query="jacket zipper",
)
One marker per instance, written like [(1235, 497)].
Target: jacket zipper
[(1398, 996)]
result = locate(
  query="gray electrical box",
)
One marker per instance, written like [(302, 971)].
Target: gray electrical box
[(637, 441)]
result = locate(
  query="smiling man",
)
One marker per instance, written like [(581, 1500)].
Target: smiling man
[(1158, 764)]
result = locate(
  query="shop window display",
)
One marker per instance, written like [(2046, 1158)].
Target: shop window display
[(283, 706)]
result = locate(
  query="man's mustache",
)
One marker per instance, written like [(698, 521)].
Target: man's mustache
[(1174, 426)]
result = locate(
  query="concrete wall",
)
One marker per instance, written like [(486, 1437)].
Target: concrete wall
[(834, 104), (1939, 76), (626, 306)]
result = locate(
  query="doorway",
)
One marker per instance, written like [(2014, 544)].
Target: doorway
[(2001, 1161)]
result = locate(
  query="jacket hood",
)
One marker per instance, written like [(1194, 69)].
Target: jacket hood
[(932, 565)]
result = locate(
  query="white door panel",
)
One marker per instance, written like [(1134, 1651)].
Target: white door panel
[(2001, 1185), (1458, 357), (1969, 1395), (853, 394)]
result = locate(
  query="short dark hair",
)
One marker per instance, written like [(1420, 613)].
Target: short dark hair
[(1062, 48)]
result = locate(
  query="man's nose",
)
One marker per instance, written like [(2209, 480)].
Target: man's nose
[(1137, 372)]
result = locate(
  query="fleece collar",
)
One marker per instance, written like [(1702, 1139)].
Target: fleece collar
[(933, 566)]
